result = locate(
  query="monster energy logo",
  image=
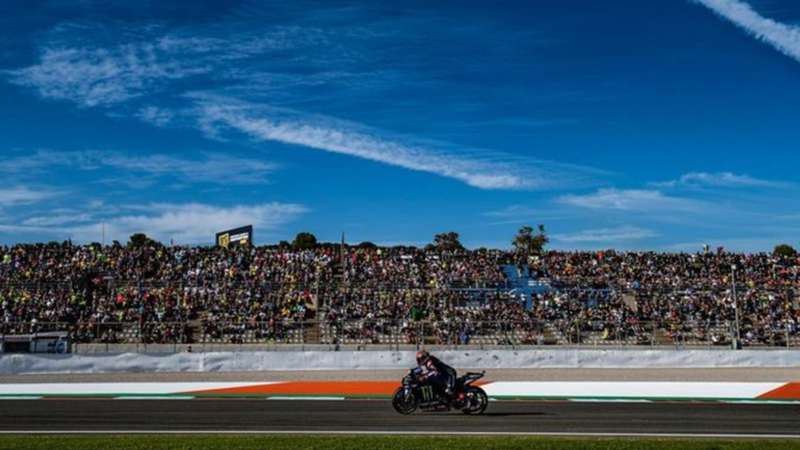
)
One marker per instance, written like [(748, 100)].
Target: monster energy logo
[(427, 393)]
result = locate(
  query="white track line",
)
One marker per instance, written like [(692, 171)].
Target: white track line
[(609, 400), (20, 397), (278, 397), (630, 389), (412, 433)]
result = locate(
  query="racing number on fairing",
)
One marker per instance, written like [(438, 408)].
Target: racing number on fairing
[(427, 393)]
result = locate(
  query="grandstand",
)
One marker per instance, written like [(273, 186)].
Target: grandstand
[(341, 295)]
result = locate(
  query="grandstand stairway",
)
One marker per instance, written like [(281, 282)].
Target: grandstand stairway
[(515, 277), (312, 333), (520, 281), (554, 336), (194, 330)]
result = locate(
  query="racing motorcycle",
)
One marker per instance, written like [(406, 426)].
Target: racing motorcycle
[(413, 395)]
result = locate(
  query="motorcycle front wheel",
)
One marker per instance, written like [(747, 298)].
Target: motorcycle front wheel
[(477, 400), (404, 403)]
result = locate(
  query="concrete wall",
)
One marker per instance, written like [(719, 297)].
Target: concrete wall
[(367, 360)]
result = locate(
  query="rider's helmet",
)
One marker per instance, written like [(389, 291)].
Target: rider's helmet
[(422, 357)]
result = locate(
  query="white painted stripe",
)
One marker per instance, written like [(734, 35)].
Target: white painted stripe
[(592, 390), (277, 397), (154, 397), (410, 433), (610, 400), (20, 397), (117, 388), (622, 389)]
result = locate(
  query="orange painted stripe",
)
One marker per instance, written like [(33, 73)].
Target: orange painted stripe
[(309, 388), (789, 391)]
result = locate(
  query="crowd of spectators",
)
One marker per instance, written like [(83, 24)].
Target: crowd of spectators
[(156, 293), (666, 271), (688, 296)]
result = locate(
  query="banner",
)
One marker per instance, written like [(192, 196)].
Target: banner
[(47, 342), (236, 236)]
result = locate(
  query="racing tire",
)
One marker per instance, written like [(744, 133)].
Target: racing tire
[(402, 403), (478, 401)]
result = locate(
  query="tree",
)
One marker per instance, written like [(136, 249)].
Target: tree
[(528, 243), (447, 241), (140, 240), (304, 241), (367, 244), (137, 240), (784, 250)]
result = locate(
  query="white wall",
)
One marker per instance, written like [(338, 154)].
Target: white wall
[(376, 360)]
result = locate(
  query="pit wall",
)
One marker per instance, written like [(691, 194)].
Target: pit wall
[(384, 360)]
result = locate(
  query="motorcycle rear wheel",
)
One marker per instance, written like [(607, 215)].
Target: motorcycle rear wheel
[(402, 403), (477, 400)]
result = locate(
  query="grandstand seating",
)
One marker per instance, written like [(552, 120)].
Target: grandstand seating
[(395, 296)]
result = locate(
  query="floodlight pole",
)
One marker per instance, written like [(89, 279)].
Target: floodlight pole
[(737, 333)]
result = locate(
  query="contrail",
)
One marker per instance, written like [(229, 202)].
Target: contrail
[(784, 38)]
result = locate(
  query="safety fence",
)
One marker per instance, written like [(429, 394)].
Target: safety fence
[(175, 312), (389, 333)]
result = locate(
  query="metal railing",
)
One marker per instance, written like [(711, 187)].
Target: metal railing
[(576, 328), (394, 333)]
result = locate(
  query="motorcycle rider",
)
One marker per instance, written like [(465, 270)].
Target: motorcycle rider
[(441, 376)]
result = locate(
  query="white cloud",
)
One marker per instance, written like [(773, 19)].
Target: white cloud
[(95, 71), (611, 235), (159, 117), (630, 200), (76, 67), (519, 214), (192, 223), (93, 77), (784, 38), (214, 168), (719, 179), (513, 211), (23, 195), (197, 223), (338, 140), (57, 219), (210, 168), (485, 170), (746, 244)]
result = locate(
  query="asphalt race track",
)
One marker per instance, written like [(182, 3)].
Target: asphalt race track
[(86, 415)]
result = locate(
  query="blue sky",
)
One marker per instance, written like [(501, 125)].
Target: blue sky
[(659, 125)]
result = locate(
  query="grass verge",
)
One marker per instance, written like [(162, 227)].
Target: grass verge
[(211, 442)]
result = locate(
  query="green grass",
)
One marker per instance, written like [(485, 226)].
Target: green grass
[(123, 442)]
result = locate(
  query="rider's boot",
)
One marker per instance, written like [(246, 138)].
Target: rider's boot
[(459, 400)]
